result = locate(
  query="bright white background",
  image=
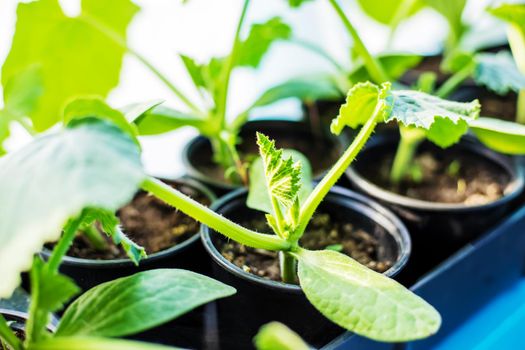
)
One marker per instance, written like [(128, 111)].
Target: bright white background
[(204, 28)]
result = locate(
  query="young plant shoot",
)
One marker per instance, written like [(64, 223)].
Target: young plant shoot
[(51, 188)]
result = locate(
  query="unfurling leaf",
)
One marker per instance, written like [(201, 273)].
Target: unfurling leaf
[(276, 336), (139, 302), (498, 72), (364, 301), (283, 176), (56, 176), (361, 103)]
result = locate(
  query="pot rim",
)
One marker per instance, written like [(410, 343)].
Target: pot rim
[(196, 141), (22, 316), (512, 190), (360, 203), (124, 262)]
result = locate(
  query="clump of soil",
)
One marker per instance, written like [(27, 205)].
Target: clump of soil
[(322, 232), (149, 222), (446, 177), (322, 154)]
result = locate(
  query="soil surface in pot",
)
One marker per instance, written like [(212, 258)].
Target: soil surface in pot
[(446, 177), (322, 232), (321, 153), (149, 222)]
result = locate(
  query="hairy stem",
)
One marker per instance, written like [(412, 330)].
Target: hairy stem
[(64, 243), (215, 221), (117, 39), (288, 266), (408, 144), (454, 81), (7, 336), (373, 66), (520, 109), (322, 188)]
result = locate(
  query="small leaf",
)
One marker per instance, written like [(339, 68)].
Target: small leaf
[(91, 343), (444, 132), (363, 301), (383, 11), (136, 303), (258, 195), (498, 72), (135, 111), (502, 136), (276, 336), (283, 176), (297, 3), (259, 40), (361, 103), (56, 176), (162, 119), (395, 65)]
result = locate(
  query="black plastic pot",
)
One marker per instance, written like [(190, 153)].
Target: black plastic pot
[(17, 320), (259, 300), (438, 229), (198, 151)]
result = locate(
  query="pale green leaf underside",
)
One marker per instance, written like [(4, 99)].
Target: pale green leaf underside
[(498, 72), (502, 136), (54, 178), (258, 196), (277, 336), (364, 301), (132, 304), (90, 343)]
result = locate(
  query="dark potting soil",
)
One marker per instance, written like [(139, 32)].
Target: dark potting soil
[(321, 233), (447, 177), (428, 64), (502, 107), (149, 222), (321, 153)]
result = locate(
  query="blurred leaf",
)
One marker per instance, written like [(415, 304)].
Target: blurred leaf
[(56, 176), (363, 301), (452, 10), (276, 336), (395, 66), (75, 58), (162, 119), (384, 11), (135, 111), (512, 13), (297, 3), (502, 136), (133, 304), (90, 343), (498, 72), (22, 91)]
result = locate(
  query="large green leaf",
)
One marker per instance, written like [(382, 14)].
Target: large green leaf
[(136, 303), (75, 58), (502, 136), (276, 336), (90, 343), (56, 176), (395, 65), (258, 195), (364, 301), (498, 72), (384, 11)]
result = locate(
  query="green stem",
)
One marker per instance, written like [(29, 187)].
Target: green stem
[(117, 39), (408, 144), (8, 336), (373, 66), (215, 221), (64, 243), (452, 83), (223, 97), (278, 216), (288, 266), (520, 111), (95, 238), (321, 190), (319, 52)]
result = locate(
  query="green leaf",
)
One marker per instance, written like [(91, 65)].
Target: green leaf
[(395, 65), (90, 343), (452, 10), (23, 90), (259, 40), (258, 195), (502, 136), (283, 176), (195, 71), (305, 89), (5, 131), (498, 72), (56, 176), (135, 111), (136, 303), (363, 301), (75, 58), (95, 107), (361, 103), (297, 3), (444, 132), (276, 336), (384, 11), (512, 13), (163, 119)]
